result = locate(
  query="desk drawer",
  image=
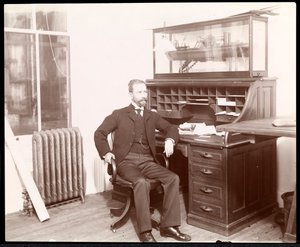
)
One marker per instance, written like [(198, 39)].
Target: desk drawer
[(206, 172), (207, 210), (207, 192), (206, 155)]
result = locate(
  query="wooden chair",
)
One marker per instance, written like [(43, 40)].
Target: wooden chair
[(125, 188)]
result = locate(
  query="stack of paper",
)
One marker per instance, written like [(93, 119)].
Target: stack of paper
[(205, 130), (197, 129)]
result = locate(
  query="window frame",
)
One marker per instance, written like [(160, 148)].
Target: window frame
[(37, 33)]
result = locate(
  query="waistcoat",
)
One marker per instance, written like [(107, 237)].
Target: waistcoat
[(140, 142)]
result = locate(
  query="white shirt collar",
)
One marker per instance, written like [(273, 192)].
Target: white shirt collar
[(136, 106)]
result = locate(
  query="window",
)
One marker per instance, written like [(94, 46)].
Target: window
[(36, 70)]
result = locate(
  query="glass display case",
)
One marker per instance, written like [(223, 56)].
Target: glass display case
[(230, 47)]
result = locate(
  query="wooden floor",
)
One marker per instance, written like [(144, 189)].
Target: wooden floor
[(90, 222)]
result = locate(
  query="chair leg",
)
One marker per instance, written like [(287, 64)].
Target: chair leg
[(124, 217), (152, 210), (155, 224), (117, 211)]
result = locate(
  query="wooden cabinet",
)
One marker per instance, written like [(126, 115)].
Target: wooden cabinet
[(232, 177), (252, 179), (231, 187), (206, 184), (215, 72)]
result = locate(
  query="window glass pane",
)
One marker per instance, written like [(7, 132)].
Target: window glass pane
[(20, 83), (51, 20), (54, 69), (18, 16)]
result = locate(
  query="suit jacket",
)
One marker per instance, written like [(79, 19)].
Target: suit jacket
[(121, 122)]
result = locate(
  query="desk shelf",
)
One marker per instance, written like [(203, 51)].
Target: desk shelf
[(164, 99), (180, 99)]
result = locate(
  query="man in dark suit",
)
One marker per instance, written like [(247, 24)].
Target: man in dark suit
[(134, 152)]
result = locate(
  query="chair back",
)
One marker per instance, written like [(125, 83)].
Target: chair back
[(111, 167), (110, 138)]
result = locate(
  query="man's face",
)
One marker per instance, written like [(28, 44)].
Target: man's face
[(139, 94)]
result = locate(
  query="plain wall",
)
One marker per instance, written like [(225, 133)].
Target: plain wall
[(112, 43)]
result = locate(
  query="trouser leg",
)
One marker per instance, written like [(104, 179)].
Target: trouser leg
[(170, 182), (129, 170), (171, 207), (136, 168), (141, 191)]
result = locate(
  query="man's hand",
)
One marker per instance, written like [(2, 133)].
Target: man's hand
[(108, 156), (169, 147)]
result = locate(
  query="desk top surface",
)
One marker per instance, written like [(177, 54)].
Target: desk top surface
[(259, 127)]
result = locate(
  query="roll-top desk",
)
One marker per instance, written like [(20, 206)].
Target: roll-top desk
[(231, 178)]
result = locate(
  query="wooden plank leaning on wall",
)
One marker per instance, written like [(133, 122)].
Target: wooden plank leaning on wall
[(24, 175)]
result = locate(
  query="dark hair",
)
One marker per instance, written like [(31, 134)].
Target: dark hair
[(133, 82)]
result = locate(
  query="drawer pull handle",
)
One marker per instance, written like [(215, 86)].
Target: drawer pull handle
[(206, 155), (206, 171), (206, 190), (206, 209)]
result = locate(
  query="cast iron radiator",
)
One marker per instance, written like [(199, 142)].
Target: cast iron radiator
[(58, 171)]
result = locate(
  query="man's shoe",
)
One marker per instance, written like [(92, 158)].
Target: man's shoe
[(174, 232), (147, 237)]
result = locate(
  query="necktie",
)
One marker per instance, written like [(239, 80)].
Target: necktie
[(139, 111)]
